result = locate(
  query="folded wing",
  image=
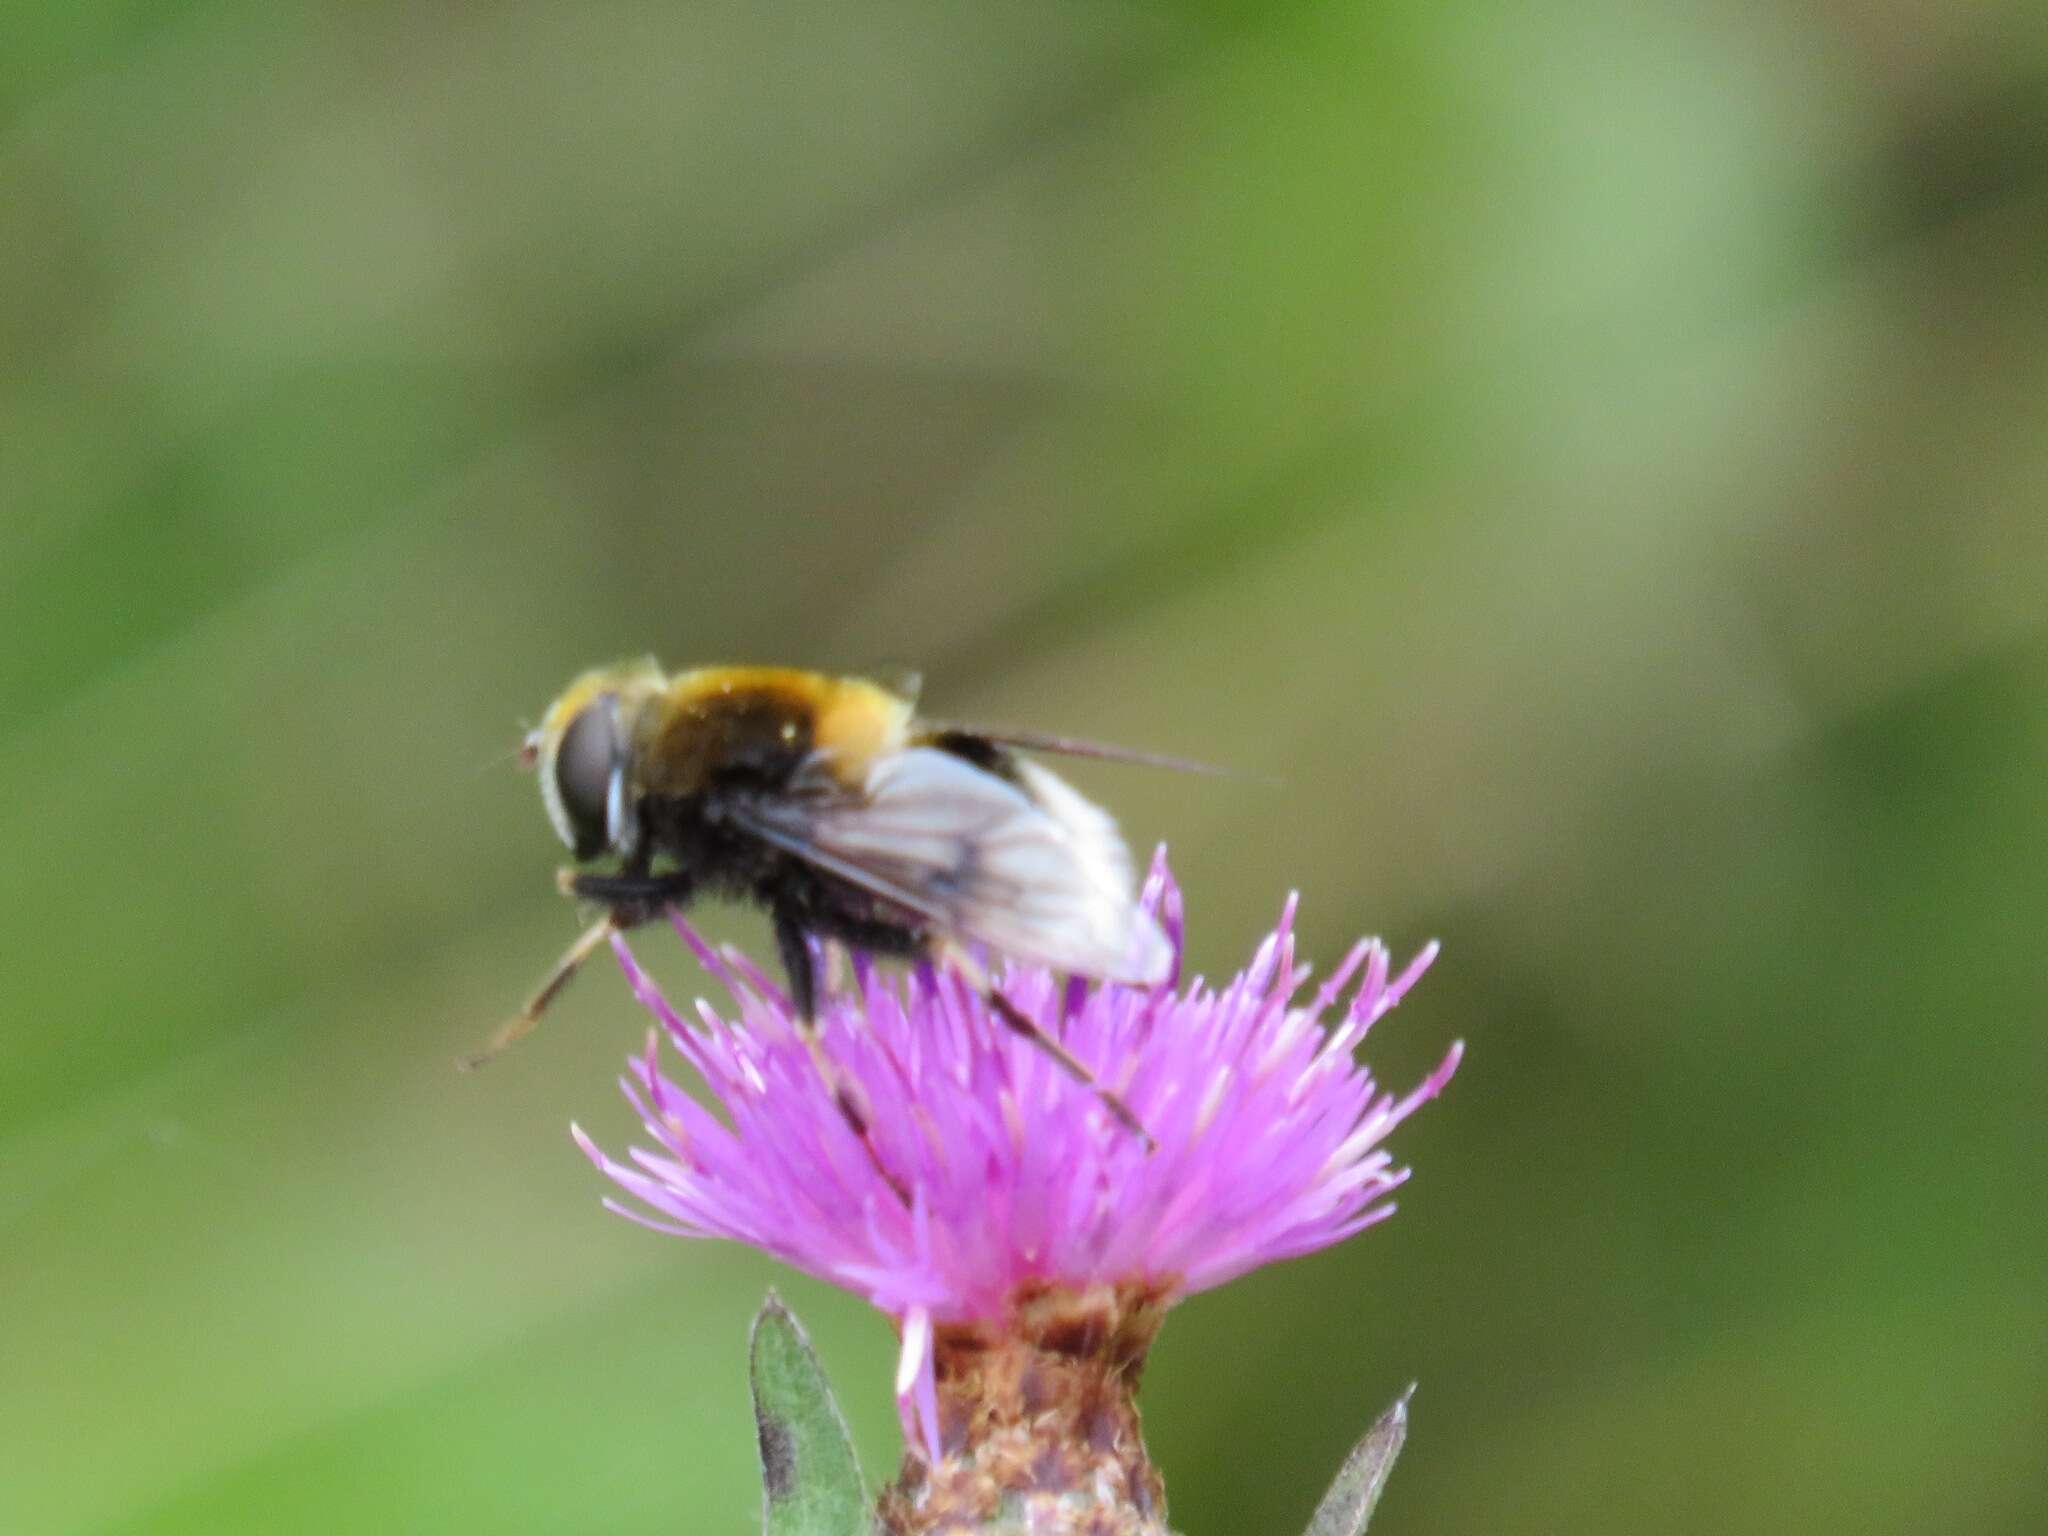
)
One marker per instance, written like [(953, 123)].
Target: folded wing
[(1030, 868)]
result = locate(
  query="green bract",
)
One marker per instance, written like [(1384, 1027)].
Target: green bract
[(810, 1478), (1349, 1504)]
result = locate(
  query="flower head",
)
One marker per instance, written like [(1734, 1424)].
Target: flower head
[(1020, 1182)]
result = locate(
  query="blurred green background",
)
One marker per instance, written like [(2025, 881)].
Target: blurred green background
[(1596, 455)]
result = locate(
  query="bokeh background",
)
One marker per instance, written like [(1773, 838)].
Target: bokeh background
[(1594, 455)]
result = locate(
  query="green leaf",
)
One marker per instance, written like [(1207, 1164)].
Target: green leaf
[(1349, 1504), (810, 1479)]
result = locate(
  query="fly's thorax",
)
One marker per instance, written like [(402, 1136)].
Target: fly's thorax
[(760, 726)]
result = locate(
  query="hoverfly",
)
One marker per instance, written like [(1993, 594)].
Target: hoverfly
[(825, 800)]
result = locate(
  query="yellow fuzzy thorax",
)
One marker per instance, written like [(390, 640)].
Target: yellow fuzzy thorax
[(851, 721)]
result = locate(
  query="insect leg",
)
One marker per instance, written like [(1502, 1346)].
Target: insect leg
[(633, 896), (522, 1023), (803, 994), (1017, 1021)]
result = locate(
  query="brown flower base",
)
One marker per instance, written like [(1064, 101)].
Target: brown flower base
[(1038, 1423)]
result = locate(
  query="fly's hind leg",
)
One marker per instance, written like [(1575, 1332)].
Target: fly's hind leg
[(790, 943), (1015, 1019)]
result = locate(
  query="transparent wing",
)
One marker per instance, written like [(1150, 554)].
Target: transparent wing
[(1031, 869)]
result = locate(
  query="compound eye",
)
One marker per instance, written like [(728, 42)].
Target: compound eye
[(585, 764)]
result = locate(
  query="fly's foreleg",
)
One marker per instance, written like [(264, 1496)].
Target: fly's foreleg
[(632, 896), (522, 1023), (630, 899)]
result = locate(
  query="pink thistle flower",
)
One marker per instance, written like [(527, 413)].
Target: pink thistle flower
[(1022, 1187)]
